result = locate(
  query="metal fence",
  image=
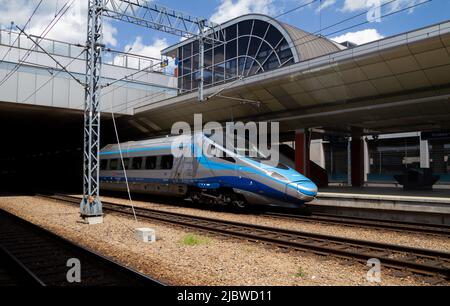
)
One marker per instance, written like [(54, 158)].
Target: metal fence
[(132, 61)]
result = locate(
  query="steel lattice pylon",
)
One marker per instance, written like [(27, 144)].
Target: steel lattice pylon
[(142, 13), (91, 205)]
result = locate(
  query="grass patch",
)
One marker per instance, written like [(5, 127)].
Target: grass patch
[(300, 273), (192, 240)]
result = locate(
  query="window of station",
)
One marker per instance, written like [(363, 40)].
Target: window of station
[(389, 157), (252, 47), (336, 160), (439, 151)]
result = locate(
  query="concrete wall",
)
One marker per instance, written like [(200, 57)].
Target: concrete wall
[(40, 81)]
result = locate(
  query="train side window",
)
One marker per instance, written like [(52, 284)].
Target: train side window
[(126, 162), (166, 162), (150, 163), (137, 163), (103, 164), (113, 164)]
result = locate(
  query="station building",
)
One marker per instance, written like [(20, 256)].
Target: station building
[(357, 115), (363, 114)]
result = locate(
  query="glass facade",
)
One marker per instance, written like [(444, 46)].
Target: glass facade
[(389, 157), (252, 47), (336, 160), (440, 158)]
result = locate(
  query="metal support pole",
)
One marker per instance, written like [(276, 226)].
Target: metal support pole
[(91, 206), (201, 45), (201, 84)]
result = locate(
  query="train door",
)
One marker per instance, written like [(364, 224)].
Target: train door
[(187, 169)]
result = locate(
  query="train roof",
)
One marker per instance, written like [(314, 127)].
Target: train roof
[(141, 143)]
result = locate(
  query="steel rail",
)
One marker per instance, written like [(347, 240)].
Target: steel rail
[(420, 261), (41, 257), (378, 224)]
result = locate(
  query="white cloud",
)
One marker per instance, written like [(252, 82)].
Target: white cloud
[(70, 28), (360, 37), (152, 50), (229, 9), (357, 5), (325, 4), (138, 47)]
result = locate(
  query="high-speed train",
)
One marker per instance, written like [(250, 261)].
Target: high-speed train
[(231, 178)]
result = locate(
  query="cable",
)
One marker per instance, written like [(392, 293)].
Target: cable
[(295, 8), (49, 27), (132, 74), (123, 164), (125, 79), (26, 24), (52, 57), (53, 77), (356, 25), (44, 33)]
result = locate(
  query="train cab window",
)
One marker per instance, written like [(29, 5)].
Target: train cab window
[(126, 163), (150, 163), (137, 163), (228, 159), (113, 164), (103, 164), (224, 156), (166, 162)]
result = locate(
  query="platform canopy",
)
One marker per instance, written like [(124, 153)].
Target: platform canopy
[(399, 83)]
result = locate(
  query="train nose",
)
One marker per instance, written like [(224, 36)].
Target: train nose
[(302, 190)]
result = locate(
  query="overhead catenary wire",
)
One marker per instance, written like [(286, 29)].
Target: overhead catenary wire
[(54, 76), (314, 34), (126, 79), (44, 33), (52, 57), (296, 8), (18, 36), (123, 163)]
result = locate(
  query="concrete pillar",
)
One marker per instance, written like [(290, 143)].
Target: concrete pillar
[(317, 153), (302, 152), (357, 161), (366, 161)]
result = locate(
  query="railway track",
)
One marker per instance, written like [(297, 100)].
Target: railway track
[(31, 255), (403, 227), (420, 261)]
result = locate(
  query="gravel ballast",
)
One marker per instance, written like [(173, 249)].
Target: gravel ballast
[(177, 259), (385, 236)]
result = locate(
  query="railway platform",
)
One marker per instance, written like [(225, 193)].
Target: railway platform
[(396, 204)]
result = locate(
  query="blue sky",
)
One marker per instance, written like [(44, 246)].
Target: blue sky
[(307, 18), (121, 36)]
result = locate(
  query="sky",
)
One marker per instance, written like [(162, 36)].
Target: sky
[(312, 17)]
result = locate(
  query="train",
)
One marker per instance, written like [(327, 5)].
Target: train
[(232, 178)]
